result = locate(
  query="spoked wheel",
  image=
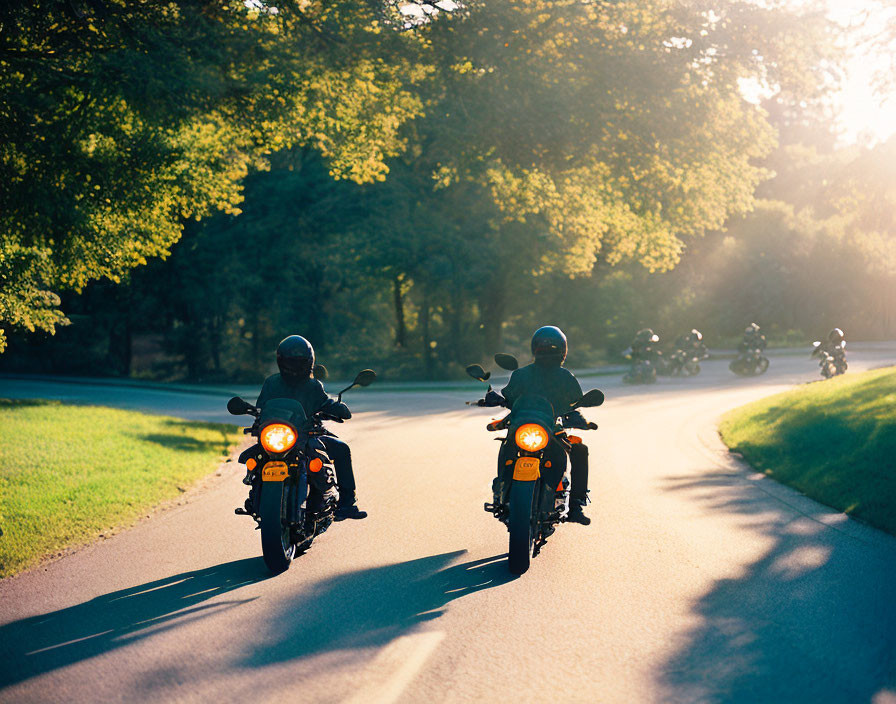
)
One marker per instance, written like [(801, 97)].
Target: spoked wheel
[(276, 545), (521, 526)]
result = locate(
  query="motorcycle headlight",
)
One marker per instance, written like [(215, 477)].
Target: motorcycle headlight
[(531, 437), (277, 438)]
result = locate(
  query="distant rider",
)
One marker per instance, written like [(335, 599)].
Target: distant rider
[(645, 346), (295, 359), (753, 339), (836, 347), (547, 377), (692, 344)]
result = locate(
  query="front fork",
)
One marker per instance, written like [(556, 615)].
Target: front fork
[(554, 504)]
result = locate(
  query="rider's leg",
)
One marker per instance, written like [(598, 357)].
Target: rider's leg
[(341, 455), (578, 490)]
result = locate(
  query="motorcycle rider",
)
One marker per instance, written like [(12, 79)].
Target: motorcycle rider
[(836, 346), (692, 343), (547, 377), (295, 359), (753, 339), (643, 346)]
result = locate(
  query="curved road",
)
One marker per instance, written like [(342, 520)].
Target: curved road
[(697, 581)]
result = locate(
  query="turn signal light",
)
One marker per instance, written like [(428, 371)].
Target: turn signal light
[(277, 438), (315, 464), (531, 437)]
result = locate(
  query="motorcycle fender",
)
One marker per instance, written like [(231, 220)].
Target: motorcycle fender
[(527, 469), (274, 472)]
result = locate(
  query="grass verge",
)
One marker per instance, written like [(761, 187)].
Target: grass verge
[(834, 441), (69, 473)]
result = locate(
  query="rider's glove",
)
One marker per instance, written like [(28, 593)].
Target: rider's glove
[(574, 419), (336, 409), (492, 398)]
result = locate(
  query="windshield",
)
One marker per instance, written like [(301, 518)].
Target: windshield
[(530, 408), (283, 409)]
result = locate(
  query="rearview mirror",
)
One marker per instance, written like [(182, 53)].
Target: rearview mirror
[(237, 407), (364, 378), (477, 372), (593, 398), (320, 372), (507, 361)]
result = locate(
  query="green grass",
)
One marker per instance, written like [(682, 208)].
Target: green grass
[(71, 473), (834, 441)]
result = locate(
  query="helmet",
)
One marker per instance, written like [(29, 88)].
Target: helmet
[(695, 335), (751, 329), (836, 335), (549, 345), (646, 335), (295, 357)]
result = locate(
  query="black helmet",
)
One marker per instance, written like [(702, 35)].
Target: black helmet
[(646, 335), (752, 329), (549, 345), (295, 357), (836, 335), (695, 335)]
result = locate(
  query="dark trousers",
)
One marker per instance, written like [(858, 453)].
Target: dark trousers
[(556, 455), (341, 455)]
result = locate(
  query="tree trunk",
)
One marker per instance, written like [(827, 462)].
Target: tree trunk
[(424, 329), (401, 332)]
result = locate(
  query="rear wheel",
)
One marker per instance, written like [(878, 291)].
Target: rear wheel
[(520, 525), (762, 366), (276, 545)]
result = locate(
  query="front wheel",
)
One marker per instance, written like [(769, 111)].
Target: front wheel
[(520, 525), (276, 544)]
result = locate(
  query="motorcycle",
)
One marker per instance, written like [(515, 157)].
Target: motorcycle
[(751, 362), (644, 370), (685, 362), (833, 362), (533, 497), (292, 481)]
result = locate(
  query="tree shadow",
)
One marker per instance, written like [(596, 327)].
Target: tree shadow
[(39, 644), (183, 443), (371, 607), (814, 619)]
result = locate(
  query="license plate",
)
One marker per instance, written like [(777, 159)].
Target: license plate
[(274, 472), (527, 469)]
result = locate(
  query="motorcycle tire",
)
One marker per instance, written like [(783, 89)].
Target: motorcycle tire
[(520, 524), (276, 542), (762, 367)]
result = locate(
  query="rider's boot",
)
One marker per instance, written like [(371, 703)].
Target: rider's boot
[(347, 508), (576, 514)]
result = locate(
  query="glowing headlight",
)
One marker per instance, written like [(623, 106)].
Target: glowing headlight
[(531, 437), (277, 438)]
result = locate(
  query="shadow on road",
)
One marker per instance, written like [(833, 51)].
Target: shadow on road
[(371, 607), (813, 620), (33, 646)]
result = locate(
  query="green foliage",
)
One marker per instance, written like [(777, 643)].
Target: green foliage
[(69, 473), (122, 119), (835, 441)]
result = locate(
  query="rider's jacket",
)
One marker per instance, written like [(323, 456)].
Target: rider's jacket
[(557, 384), (752, 342), (309, 392)]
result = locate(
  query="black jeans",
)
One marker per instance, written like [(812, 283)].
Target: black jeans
[(555, 454), (341, 455)]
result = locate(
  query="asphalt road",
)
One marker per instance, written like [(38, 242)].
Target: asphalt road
[(696, 581)]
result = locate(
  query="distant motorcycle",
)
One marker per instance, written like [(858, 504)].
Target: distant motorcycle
[(684, 362), (292, 482), (643, 370), (831, 358), (750, 362), (536, 497)]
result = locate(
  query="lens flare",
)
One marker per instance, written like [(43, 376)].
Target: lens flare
[(531, 437), (277, 438)]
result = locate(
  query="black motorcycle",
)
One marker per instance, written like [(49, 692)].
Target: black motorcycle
[(750, 362), (292, 494), (831, 360), (644, 369), (534, 497), (685, 362)]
